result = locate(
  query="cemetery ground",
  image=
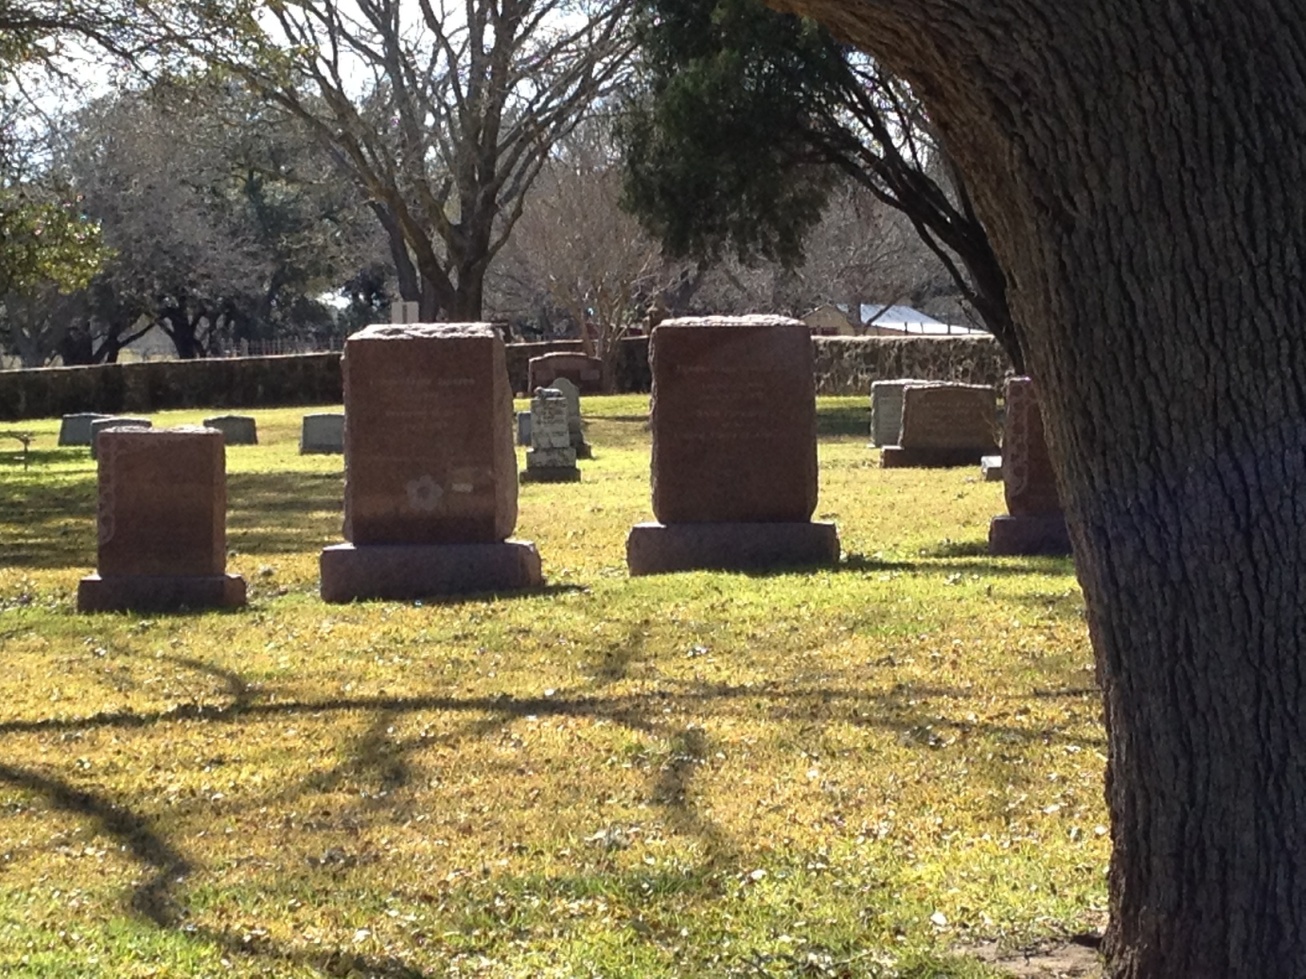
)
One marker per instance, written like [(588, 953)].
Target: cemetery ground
[(881, 769)]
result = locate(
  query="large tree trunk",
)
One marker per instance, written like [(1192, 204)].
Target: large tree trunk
[(1139, 166)]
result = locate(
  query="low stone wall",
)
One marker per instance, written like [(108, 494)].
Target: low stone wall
[(238, 382), (848, 365), (632, 370), (844, 365)]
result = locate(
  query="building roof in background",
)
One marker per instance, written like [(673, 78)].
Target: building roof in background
[(907, 319)]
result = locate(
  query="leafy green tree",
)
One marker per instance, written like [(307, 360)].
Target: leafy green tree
[(745, 119), (226, 236)]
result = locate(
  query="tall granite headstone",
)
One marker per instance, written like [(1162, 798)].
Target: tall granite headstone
[(734, 469), (161, 522), (1034, 523), (430, 468)]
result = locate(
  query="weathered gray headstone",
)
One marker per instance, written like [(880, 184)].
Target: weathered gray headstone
[(76, 429), (235, 429), (322, 433), (523, 428), (886, 409), (550, 458), (574, 426), (99, 425)]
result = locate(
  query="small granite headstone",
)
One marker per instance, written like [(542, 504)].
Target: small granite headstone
[(322, 433), (886, 409), (76, 429), (734, 468), (1035, 523), (944, 425), (99, 425), (236, 429), (550, 459), (574, 425), (585, 372), (991, 469), (430, 469), (161, 523), (523, 428)]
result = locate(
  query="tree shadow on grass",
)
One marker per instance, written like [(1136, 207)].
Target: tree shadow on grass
[(47, 524), (836, 421), (11, 459), (156, 900), (917, 714), (862, 564), (283, 512)]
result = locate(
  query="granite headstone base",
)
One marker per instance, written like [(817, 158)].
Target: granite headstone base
[(1030, 534), (655, 548), (159, 593), (403, 572), (897, 457), (550, 474)]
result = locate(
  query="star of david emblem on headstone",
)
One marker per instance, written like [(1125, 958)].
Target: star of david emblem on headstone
[(424, 494)]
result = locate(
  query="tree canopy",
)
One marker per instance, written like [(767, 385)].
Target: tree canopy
[(745, 117)]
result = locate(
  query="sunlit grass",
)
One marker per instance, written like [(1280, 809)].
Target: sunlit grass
[(856, 771)]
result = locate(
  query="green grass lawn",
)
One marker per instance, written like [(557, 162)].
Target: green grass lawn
[(859, 771)]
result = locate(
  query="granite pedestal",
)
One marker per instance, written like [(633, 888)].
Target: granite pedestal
[(404, 572), (654, 548), (1033, 534), (159, 593)]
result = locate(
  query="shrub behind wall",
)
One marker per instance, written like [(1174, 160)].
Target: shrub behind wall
[(844, 365)]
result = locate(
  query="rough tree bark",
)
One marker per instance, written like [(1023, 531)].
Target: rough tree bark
[(1139, 167)]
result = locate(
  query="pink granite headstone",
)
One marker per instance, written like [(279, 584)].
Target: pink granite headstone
[(161, 523), (429, 454), (1034, 523), (430, 468), (734, 449), (733, 420), (1028, 480)]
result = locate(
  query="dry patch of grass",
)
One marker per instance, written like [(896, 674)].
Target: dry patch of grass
[(848, 772)]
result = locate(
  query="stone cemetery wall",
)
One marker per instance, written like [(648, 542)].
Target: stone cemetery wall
[(237, 382), (848, 365), (843, 365)]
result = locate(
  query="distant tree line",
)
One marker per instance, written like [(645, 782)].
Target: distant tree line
[(291, 176)]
